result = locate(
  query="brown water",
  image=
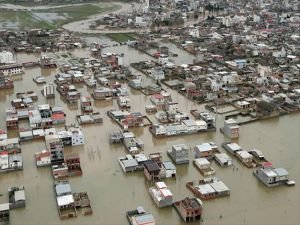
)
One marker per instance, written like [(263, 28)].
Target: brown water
[(112, 192)]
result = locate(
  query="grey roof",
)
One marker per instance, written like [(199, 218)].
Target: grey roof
[(281, 171), (130, 163), (169, 165), (63, 189)]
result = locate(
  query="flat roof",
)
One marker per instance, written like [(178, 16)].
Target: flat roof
[(144, 219), (219, 186), (205, 189), (234, 146), (223, 157), (62, 188), (281, 172), (202, 161), (205, 147), (169, 165), (20, 195), (269, 172), (65, 200), (130, 163), (244, 154), (4, 207)]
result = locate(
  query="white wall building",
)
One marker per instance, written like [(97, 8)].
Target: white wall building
[(7, 57)]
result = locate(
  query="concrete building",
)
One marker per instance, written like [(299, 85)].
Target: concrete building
[(161, 195), (189, 209), (179, 154), (151, 171), (6, 57), (270, 176)]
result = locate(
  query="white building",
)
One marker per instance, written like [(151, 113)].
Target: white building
[(77, 136), (157, 73), (43, 158), (7, 57), (161, 195), (163, 59)]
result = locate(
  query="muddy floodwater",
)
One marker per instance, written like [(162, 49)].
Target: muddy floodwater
[(112, 192)]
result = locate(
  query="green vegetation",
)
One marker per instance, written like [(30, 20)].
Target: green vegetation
[(29, 19), (76, 12), (22, 19), (121, 37)]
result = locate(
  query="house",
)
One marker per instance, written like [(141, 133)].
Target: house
[(131, 143), (47, 62), (161, 195), (161, 98), (270, 176), (179, 154), (58, 115), (136, 83), (230, 129), (56, 148), (86, 104), (140, 217), (246, 158), (123, 102), (157, 73), (189, 209), (59, 171), (77, 135), (102, 93), (241, 63), (69, 92), (203, 165), (169, 169), (151, 171), (134, 119), (42, 158), (201, 125), (163, 59), (128, 163), (243, 104), (206, 150), (73, 164), (15, 162), (11, 69), (25, 135), (158, 130), (223, 159), (49, 90), (4, 213), (16, 197), (209, 188), (77, 77), (10, 145), (64, 199), (3, 135), (232, 147), (5, 82), (12, 120), (191, 126)]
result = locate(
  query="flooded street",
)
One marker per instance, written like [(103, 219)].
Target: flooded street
[(113, 192)]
